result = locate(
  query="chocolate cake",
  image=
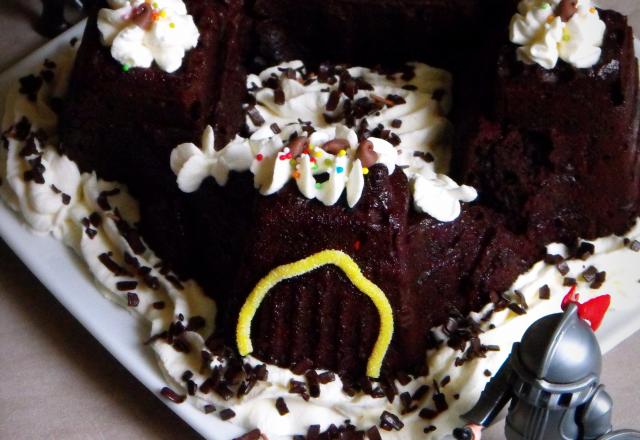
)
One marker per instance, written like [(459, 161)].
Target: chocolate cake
[(543, 175), (557, 150)]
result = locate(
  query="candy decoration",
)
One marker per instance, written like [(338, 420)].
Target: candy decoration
[(298, 145), (142, 16), (336, 145), (592, 311), (350, 268), (368, 157), (567, 9)]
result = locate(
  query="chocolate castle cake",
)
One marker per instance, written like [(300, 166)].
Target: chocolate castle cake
[(526, 138)]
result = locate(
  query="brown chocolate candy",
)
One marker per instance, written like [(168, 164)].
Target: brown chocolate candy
[(298, 145), (368, 157), (142, 16), (566, 9), (336, 145)]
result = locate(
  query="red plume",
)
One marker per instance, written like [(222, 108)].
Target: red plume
[(592, 311)]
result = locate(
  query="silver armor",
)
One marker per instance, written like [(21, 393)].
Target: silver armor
[(551, 382)]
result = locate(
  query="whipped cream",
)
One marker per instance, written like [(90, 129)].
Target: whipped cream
[(140, 32), (544, 37), (408, 112), (95, 230)]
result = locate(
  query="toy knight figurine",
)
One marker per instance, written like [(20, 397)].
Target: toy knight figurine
[(551, 380)]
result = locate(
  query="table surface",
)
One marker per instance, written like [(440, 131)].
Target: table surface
[(59, 383)]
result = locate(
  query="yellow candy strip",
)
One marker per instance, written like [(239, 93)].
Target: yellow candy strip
[(315, 261)]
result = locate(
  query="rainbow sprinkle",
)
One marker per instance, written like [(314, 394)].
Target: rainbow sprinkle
[(126, 67), (339, 170), (365, 171)]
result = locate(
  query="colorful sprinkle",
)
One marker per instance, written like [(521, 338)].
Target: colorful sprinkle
[(351, 269), (172, 25), (163, 13), (318, 185), (126, 67), (566, 36), (592, 10), (545, 6), (296, 175), (318, 153), (365, 171), (342, 153), (259, 157), (339, 170), (293, 162), (328, 161), (356, 245), (550, 18)]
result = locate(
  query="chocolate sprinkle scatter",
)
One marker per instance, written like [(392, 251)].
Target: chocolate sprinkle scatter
[(275, 128), (389, 421), (635, 246), (456, 396), (487, 373), (66, 198), (102, 201), (174, 282), (191, 388), (227, 414), (208, 409), (187, 375), (132, 299), (313, 383), (445, 381), (302, 367), (281, 406), (172, 395), (544, 292), (429, 429)]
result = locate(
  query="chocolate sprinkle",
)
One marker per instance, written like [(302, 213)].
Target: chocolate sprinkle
[(227, 414), (208, 409), (29, 86), (333, 101), (313, 433), (553, 259), (635, 246), (599, 281), (428, 413), (487, 373), (544, 292), (396, 123), (281, 406), (132, 299), (275, 128), (589, 275), (568, 282), (429, 429), (585, 250), (373, 433), (515, 308), (389, 421), (251, 435), (159, 305), (326, 377), (255, 116), (278, 96), (126, 285), (114, 267), (172, 395), (563, 268), (420, 393)]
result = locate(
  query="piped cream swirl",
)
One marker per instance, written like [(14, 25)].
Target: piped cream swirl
[(544, 38), (140, 32)]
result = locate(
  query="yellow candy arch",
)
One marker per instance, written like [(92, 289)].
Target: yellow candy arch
[(300, 267)]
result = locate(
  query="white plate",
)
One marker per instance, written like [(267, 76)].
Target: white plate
[(66, 277)]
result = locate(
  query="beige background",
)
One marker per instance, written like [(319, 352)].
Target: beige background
[(57, 382)]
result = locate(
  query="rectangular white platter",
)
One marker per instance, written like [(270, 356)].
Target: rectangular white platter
[(66, 277)]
